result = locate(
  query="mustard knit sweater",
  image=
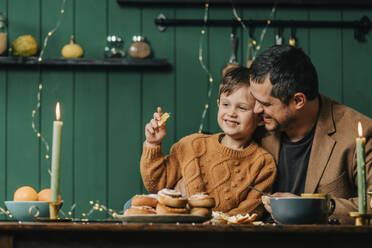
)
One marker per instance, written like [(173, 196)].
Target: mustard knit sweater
[(207, 166)]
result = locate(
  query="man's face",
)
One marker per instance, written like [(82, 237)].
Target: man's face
[(276, 115)]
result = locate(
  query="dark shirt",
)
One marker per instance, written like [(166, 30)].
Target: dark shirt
[(292, 164)]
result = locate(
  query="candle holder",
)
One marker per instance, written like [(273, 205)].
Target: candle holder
[(361, 219), (54, 208)]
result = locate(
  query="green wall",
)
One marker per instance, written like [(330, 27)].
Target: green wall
[(104, 112)]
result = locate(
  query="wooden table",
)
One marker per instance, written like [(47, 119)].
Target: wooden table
[(27, 234)]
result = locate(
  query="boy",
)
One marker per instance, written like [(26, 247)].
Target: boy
[(223, 164)]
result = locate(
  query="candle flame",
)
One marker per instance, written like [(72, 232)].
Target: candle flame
[(58, 111), (360, 130)]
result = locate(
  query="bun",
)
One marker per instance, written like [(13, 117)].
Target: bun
[(145, 200), (162, 209), (204, 212), (171, 198), (201, 200), (139, 210)]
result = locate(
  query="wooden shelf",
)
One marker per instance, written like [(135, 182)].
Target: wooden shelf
[(252, 3), (84, 63)]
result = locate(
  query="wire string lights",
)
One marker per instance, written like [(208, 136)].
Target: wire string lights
[(38, 96), (253, 47), (201, 60)]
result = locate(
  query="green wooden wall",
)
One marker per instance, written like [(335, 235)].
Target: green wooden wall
[(104, 112)]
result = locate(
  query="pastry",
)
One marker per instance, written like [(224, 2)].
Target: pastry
[(163, 119), (145, 200), (204, 212), (139, 210), (171, 198), (201, 200), (162, 209)]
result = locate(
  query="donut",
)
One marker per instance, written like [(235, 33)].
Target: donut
[(201, 200), (204, 212), (162, 209), (171, 198), (145, 200), (139, 210)]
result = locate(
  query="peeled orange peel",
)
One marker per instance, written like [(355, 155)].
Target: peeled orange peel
[(222, 218)]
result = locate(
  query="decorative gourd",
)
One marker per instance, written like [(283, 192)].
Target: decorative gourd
[(72, 50), (24, 45)]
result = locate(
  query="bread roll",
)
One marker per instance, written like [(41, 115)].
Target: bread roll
[(162, 209), (204, 212), (139, 210), (201, 200), (145, 200), (171, 198)]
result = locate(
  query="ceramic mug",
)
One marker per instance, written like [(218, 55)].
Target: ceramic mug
[(311, 209), (330, 202)]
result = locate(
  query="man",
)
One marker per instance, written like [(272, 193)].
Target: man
[(311, 137)]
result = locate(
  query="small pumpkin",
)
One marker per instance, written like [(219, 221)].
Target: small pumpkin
[(72, 50), (24, 45)]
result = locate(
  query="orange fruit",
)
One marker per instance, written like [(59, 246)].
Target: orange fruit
[(25, 193), (45, 195)]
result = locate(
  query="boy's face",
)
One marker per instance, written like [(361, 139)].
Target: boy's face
[(235, 113)]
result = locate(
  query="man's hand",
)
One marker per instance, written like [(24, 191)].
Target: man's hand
[(266, 199)]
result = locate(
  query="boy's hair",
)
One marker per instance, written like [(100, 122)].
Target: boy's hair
[(290, 71), (234, 79)]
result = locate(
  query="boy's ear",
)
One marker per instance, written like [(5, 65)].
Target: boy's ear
[(218, 102)]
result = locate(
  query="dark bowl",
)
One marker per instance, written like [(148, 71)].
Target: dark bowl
[(297, 210)]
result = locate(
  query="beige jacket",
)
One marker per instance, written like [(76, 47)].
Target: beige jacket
[(332, 167)]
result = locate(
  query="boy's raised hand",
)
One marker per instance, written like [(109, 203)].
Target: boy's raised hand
[(155, 133)]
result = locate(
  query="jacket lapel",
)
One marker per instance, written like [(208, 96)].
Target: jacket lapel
[(322, 146), (271, 142)]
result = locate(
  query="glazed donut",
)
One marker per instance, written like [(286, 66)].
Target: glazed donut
[(204, 212), (202, 200), (145, 200), (162, 209), (171, 198), (139, 210)]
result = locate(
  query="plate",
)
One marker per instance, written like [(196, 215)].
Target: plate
[(162, 218)]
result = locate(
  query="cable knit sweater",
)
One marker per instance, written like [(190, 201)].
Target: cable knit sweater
[(207, 166)]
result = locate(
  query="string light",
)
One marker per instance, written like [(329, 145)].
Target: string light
[(51, 32), (253, 47), (38, 97), (210, 76)]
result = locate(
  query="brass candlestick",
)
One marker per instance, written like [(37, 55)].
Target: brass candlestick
[(54, 208)]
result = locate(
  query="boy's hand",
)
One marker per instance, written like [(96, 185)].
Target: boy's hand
[(155, 133)]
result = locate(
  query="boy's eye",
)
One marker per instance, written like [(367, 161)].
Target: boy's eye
[(242, 108), (225, 104)]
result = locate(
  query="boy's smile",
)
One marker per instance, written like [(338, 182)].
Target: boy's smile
[(235, 114)]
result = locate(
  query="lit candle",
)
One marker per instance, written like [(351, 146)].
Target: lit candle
[(361, 164), (56, 155)]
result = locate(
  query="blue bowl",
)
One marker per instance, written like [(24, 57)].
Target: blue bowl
[(292, 210), (22, 210)]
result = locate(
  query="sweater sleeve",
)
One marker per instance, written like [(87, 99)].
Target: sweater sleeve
[(264, 180), (159, 171)]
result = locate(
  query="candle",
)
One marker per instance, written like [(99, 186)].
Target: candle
[(56, 155), (361, 166)]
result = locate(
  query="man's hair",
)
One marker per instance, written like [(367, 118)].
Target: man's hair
[(290, 71), (234, 79)]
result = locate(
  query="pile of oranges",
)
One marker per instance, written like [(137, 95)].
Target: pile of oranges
[(27, 193)]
